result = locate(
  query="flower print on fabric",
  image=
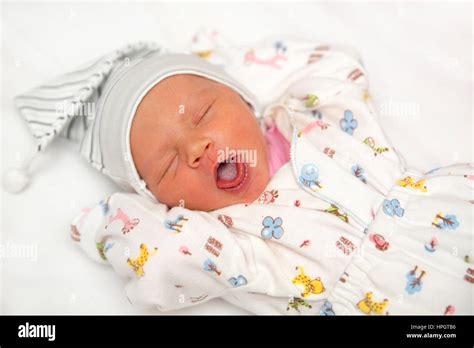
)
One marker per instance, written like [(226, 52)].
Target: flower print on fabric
[(272, 227), (348, 123), (392, 208), (238, 281)]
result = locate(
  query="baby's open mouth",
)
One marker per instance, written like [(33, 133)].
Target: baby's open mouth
[(231, 175)]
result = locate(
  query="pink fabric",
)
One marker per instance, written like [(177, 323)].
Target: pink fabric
[(278, 149)]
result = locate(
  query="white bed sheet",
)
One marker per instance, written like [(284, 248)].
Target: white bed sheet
[(419, 57)]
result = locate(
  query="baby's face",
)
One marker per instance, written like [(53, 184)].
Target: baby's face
[(183, 129)]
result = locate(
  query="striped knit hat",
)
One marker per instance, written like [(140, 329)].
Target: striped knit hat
[(96, 104)]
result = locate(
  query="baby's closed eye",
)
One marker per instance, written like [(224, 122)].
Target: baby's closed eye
[(197, 118)]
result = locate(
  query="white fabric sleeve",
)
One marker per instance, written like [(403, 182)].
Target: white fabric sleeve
[(173, 258)]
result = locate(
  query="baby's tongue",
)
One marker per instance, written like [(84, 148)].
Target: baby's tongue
[(226, 172), (230, 175)]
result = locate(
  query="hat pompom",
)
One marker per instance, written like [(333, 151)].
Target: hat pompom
[(15, 179)]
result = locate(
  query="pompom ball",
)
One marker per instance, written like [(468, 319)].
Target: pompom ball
[(15, 179)]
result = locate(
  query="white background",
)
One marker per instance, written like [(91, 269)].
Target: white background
[(418, 55)]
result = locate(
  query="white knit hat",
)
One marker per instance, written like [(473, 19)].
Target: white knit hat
[(105, 95)]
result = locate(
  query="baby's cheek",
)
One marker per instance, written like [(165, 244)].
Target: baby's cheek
[(232, 136), (190, 192)]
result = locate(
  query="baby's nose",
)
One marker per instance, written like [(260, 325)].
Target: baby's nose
[(196, 150)]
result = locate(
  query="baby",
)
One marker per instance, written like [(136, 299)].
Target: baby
[(325, 218), (180, 128)]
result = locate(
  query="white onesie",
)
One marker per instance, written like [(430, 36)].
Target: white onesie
[(343, 228)]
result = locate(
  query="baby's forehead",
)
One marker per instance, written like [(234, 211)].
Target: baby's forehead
[(183, 89), (183, 92)]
